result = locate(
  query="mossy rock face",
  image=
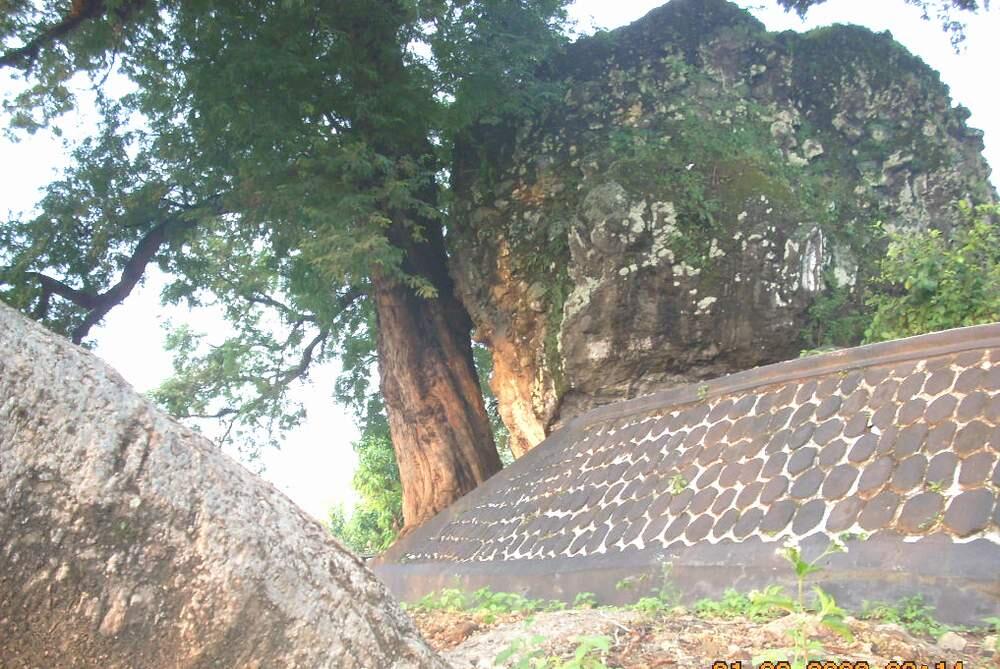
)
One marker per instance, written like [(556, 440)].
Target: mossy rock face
[(700, 185)]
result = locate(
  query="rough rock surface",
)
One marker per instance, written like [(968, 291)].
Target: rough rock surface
[(699, 187), (127, 540)]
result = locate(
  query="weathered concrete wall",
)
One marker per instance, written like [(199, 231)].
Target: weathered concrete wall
[(700, 184), (894, 443), (127, 540)]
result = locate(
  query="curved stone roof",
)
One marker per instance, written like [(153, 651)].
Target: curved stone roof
[(896, 444)]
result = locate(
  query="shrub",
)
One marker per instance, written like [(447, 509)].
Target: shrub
[(928, 283)]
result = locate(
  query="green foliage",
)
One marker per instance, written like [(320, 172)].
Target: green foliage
[(994, 623), (484, 601), (376, 520), (523, 653), (709, 159), (929, 283), (488, 54), (584, 600), (587, 654), (660, 599), (836, 319), (824, 611), (912, 613), (527, 653), (362, 530), (446, 599), (678, 484), (291, 151), (733, 604)]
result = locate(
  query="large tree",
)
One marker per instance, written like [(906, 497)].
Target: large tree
[(287, 161)]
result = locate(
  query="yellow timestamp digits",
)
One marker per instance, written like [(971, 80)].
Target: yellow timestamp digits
[(831, 664)]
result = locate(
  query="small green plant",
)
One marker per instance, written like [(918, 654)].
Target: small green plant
[(484, 601), (824, 611), (994, 623), (853, 536), (630, 582), (677, 484), (588, 653), (733, 604), (659, 600), (912, 613), (446, 599), (703, 391), (522, 653), (585, 600), (527, 653)]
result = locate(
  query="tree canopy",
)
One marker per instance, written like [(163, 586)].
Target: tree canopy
[(287, 161)]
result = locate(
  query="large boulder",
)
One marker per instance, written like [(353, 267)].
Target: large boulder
[(128, 540), (698, 201)]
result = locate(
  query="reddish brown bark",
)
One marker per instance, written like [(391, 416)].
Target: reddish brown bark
[(440, 430)]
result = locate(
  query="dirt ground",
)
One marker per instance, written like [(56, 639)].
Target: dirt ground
[(678, 639)]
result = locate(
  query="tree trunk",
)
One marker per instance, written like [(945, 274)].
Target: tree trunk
[(440, 430), (437, 420), (129, 540)]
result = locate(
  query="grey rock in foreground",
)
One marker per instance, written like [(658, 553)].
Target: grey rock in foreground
[(127, 540)]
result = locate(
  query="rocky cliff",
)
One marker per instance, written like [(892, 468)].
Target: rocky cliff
[(701, 185)]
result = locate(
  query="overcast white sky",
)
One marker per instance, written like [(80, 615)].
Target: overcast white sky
[(315, 466)]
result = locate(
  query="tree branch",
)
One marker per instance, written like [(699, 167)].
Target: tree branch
[(276, 387), (350, 297), (98, 305), (268, 301), (80, 12), (26, 55), (51, 286), (218, 414), (300, 369), (131, 274)]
